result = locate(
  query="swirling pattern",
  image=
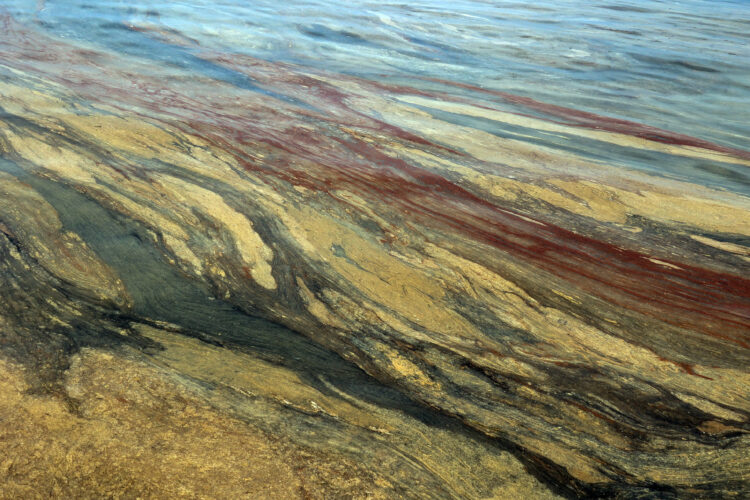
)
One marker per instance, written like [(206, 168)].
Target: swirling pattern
[(487, 256)]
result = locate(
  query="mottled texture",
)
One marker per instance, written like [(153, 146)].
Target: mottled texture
[(126, 432), (592, 319)]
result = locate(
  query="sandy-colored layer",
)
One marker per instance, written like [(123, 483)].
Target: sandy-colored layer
[(128, 431)]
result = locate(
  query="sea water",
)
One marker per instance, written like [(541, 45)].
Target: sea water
[(679, 65)]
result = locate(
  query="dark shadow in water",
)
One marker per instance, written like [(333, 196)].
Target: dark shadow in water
[(161, 292)]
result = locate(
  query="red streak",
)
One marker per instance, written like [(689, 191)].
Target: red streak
[(312, 150), (599, 122)]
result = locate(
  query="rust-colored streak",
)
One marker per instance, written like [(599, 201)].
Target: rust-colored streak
[(309, 149), (586, 119)]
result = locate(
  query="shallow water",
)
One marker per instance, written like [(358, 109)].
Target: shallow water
[(682, 66), (483, 249)]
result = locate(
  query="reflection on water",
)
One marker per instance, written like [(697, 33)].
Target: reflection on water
[(676, 65), (479, 267)]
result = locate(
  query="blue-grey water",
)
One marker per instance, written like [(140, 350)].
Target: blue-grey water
[(678, 65)]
